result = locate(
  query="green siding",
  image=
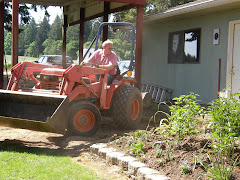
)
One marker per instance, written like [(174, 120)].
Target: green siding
[(199, 78)]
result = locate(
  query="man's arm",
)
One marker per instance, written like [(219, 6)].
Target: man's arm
[(91, 59), (108, 66)]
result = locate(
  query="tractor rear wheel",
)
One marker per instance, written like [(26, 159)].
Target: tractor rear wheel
[(85, 119), (126, 107)]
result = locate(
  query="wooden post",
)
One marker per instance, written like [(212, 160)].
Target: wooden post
[(1, 42), (105, 19), (64, 44), (81, 37), (139, 34), (15, 10)]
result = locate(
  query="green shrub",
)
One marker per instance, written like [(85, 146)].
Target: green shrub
[(224, 122), (183, 118), (218, 167)]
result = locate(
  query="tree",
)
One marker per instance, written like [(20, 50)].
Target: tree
[(21, 44), (73, 33), (23, 12), (30, 32), (32, 50), (94, 28), (8, 43), (52, 47), (72, 49), (152, 6), (55, 32), (42, 35)]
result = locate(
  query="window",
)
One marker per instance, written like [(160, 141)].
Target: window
[(183, 46)]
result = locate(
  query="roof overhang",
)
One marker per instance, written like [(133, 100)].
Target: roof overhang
[(196, 8), (92, 8)]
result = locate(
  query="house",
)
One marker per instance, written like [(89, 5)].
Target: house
[(194, 47)]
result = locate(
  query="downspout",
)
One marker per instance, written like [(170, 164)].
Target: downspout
[(219, 75)]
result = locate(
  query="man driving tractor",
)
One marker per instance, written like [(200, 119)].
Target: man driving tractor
[(105, 58)]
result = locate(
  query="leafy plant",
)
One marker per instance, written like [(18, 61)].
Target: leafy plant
[(185, 168), (159, 153), (183, 119), (218, 167), (137, 148), (163, 121), (141, 135), (224, 122)]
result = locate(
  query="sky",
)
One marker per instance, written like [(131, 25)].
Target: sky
[(52, 10)]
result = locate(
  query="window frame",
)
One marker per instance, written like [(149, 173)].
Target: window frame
[(179, 58)]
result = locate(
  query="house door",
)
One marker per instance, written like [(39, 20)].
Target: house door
[(236, 60)]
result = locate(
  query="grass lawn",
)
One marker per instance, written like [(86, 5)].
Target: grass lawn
[(21, 58), (17, 162)]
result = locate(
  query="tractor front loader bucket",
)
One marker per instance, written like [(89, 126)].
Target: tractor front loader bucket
[(34, 111)]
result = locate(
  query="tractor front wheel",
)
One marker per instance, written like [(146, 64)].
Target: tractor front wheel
[(85, 119), (126, 107)]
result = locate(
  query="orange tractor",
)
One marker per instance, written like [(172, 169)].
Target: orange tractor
[(40, 97)]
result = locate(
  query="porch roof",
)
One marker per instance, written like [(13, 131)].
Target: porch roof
[(92, 8)]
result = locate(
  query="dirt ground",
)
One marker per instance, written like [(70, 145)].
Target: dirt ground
[(78, 148)]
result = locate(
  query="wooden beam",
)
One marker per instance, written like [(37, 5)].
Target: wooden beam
[(64, 44), (136, 2), (81, 37), (15, 10), (139, 34), (101, 14), (1, 42), (105, 19)]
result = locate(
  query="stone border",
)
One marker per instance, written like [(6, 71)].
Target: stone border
[(127, 163)]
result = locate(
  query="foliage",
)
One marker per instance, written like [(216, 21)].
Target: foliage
[(151, 7), (137, 148), (21, 44), (159, 153), (122, 48), (32, 50), (141, 135), (30, 32), (218, 168), (185, 168), (94, 28), (183, 118), (73, 33), (224, 122), (138, 142), (72, 49), (8, 43), (49, 34), (52, 47), (23, 13), (42, 35), (55, 32)]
